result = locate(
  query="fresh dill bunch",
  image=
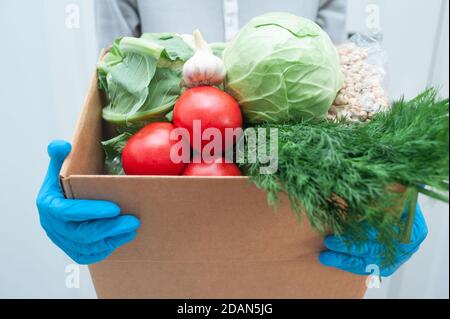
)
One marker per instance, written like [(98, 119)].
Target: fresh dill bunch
[(341, 174)]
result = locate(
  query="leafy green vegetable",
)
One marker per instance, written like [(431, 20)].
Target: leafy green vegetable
[(113, 151), (341, 174), (128, 87), (146, 94), (175, 49), (142, 78), (112, 58), (282, 68)]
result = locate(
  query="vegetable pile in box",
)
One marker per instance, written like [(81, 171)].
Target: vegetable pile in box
[(343, 153)]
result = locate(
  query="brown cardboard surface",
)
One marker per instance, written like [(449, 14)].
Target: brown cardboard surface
[(199, 237)]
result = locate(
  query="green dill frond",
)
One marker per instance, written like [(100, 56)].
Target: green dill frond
[(339, 174)]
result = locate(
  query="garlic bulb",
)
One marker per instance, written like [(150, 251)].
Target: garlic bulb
[(204, 68)]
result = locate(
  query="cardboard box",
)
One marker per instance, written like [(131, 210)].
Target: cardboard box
[(200, 237)]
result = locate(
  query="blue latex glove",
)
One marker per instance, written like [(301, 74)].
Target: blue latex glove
[(88, 231), (361, 259)]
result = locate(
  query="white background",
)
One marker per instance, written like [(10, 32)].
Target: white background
[(45, 69)]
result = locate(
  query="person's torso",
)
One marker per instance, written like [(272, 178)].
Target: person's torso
[(183, 16)]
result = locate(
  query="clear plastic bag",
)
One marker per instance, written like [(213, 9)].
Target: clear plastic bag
[(364, 93)]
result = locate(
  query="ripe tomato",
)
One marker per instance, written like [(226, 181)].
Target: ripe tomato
[(148, 152), (213, 107), (216, 168)]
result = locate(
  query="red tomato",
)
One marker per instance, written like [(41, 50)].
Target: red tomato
[(148, 152), (217, 168), (213, 107)]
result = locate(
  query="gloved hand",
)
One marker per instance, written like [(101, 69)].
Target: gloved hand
[(88, 231), (360, 259)]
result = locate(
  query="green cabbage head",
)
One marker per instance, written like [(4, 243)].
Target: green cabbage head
[(282, 68)]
